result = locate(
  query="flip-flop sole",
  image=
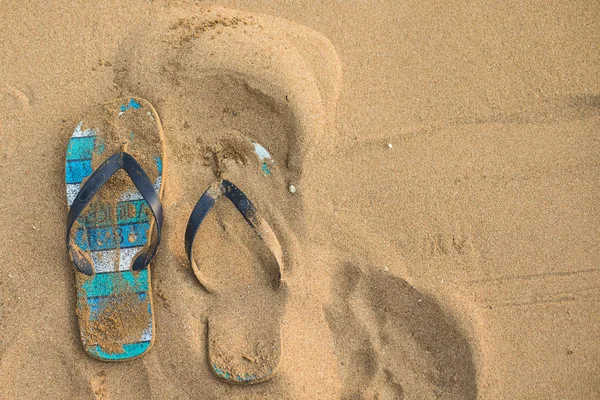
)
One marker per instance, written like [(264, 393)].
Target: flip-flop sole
[(244, 348), (244, 338), (114, 306)]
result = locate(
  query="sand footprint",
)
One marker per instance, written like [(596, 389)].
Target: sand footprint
[(14, 102), (398, 343), (98, 384), (16, 96), (219, 79)]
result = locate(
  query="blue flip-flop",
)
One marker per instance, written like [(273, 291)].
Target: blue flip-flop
[(114, 181)]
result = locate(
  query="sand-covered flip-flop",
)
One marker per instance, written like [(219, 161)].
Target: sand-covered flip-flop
[(114, 177), (244, 344)]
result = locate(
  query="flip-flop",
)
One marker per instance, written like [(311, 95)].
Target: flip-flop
[(111, 222), (239, 351)]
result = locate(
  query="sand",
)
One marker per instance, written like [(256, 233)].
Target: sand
[(460, 262)]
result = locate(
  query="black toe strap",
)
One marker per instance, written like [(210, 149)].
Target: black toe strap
[(245, 207), (89, 189)]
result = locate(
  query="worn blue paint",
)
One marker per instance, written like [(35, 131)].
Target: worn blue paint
[(264, 156), (77, 170), (129, 351), (116, 282), (129, 212), (112, 237), (80, 148), (97, 304), (265, 169), (80, 239), (98, 214), (99, 146), (221, 373), (133, 212), (246, 378), (132, 104), (159, 164)]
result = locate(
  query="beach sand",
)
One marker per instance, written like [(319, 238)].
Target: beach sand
[(442, 241)]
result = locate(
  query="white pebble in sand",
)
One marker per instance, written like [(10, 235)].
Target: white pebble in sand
[(292, 189), (390, 145)]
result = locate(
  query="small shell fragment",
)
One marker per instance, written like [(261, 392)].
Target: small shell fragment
[(390, 145), (292, 189)]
